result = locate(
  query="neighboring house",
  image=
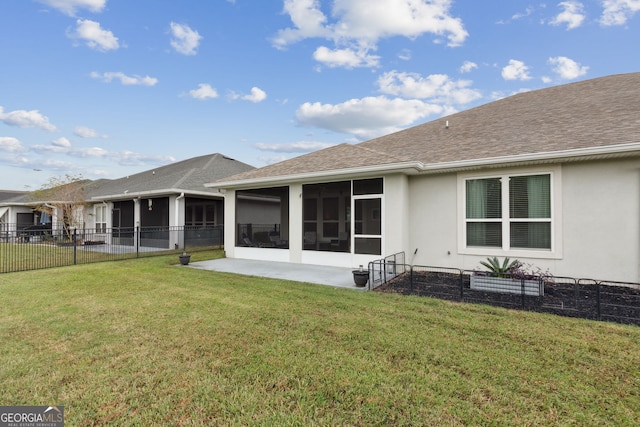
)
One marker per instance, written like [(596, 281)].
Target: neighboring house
[(28, 214), (169, 196), (550, 177), (5, 214)]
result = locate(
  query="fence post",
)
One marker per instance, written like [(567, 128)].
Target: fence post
[(522, 293), (411, 278), (461, 285), (137, 237), (598, 299), (74, 239)]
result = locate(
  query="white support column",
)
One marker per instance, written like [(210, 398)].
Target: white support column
[(230, 225), (295, 223)]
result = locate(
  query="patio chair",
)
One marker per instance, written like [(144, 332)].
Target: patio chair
[(246, 241)]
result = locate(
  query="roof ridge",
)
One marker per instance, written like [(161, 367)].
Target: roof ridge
[(184, 177)]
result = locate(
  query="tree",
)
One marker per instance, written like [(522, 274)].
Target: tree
[(64, 198)]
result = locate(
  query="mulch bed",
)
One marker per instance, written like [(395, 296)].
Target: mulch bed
[(616, 303)]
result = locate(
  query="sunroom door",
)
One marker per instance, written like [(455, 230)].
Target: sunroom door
[(367, 207)]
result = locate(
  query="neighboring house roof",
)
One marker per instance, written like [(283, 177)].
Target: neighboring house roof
[(587, 119), (187, 176), (34, 198), (9, 194)]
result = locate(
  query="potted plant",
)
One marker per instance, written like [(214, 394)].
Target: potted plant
[(360, 277), (184, 258), (508, 276)]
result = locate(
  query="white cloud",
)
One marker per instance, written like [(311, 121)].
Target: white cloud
[(184, 40), (61, 142), (59, 146), (10, 144), (130, 158), (293, 147), (95, 152), (62, 146), (468, 66), (572, 15), (618, 12), (362, 23), (257, 95), (437, 88), (26, 119), (528, 11), (70, 7), (405, 54), (367, 117), (347, 58), (85, 132), (204, 91), (308, 20), (94, 35), (567, 69), (516, 70), (125, 79)]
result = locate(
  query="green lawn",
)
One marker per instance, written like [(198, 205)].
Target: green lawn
[(145, 342)]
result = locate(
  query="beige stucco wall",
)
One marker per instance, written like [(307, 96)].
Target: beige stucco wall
[(395, 213), (432, 221), (597, 224), (601, 204)]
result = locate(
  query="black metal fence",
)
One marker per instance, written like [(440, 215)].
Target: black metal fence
[(583, 298), (22, 250)]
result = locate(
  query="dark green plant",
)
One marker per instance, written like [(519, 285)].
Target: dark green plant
[(498, 269)]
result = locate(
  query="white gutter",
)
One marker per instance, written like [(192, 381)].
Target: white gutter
[(414, 168), (405, 167), (151, 193)]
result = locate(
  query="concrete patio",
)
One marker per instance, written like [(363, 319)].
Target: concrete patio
[(318, 274)]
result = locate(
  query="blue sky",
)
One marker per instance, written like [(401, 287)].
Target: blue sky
[(107, 88)]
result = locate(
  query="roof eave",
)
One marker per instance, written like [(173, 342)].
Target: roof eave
[(347, 173), (152, 193), (414, 168)]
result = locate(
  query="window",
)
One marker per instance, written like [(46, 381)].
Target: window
[(202, 212), (101, 218), (509, 212), (344, 216)]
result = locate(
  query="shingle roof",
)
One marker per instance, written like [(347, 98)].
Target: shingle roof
[(185, 176), (601, 112), (9, 194)]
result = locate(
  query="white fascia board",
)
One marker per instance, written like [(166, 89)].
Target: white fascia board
[(404, 167), (153, 193)]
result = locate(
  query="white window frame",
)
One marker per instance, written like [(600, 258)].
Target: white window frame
[(555, 252), (101, 226)]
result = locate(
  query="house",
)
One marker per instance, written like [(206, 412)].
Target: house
[(550, 177), (169, 196), (29, 215)]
